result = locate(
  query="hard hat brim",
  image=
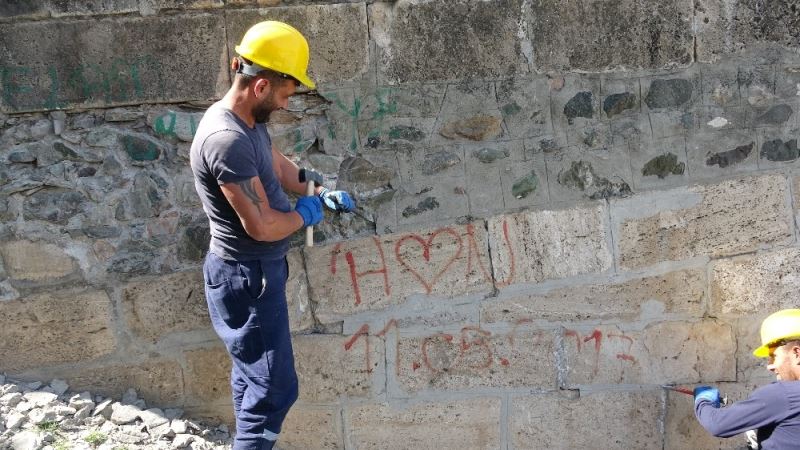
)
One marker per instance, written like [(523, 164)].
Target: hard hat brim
[(761, 352)]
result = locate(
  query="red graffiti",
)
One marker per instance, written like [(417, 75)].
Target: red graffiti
[(422, 269), (511, 263), (426, 255), (363, 331), (354, 275), (597, 336)]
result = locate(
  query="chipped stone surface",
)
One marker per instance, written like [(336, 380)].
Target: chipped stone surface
[(208, 375), (715, 220), (471, 423), (58, 327), (155, 380), (375, 273), (156, 307), (329, 367), (611, 420), (36, 261), (666, 352), (297, 298), (757, 283), (98, 75), (679, 292), (296, 430), (474, 357), (416, 42), (541, 245)]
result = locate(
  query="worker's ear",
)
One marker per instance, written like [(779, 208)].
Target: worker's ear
[(260, 85), (794, 352)]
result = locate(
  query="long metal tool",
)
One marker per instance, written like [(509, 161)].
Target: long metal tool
[(723, 398)]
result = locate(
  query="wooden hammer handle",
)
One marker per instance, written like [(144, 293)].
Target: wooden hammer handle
[(310, 228)]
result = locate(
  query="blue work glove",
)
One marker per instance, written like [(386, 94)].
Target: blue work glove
[(706, 393), (310, 209), (337, 200)]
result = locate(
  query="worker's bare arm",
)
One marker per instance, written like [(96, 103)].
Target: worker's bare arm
[(261, 222)]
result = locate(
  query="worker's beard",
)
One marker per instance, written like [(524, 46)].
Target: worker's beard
[(262, 111)]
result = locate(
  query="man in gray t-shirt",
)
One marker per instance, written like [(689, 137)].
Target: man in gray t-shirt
[(240, 179)]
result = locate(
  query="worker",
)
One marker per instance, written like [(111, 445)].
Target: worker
[(771, 411), (242, 180)]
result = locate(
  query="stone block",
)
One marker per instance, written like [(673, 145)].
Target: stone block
[(720, 84), (300, 318), (469, 423), (659, 163), (606, 419), (560, 40), (681, 292), (378, 272), (208, 375), (778, 149), (620, 97), (156, 307), (682, 430), (752, 284), (94, 74), (308, 427), (678, 91), (535, 246), (576, 103), (727, 218), (525, 104), (156, 381), (433, 165), (672, 123), (748, 337), (474, 357), (665, 352), (36, 261), (470, 112), (330, 367), (174, 124), (724, 31), (67, 8), (577, 174), (341, 136), (524, 184), (431, 202), (446, 40), (33, 9), (54, 328), (400, 136), (337, 36)]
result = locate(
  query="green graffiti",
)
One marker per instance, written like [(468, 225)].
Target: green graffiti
[(166, 130), (11, 86), (52, 87)]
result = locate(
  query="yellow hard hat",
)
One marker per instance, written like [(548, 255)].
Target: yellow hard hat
[(782, 325), (277, 46)]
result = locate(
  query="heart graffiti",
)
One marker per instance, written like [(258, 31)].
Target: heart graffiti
[(427, 246)]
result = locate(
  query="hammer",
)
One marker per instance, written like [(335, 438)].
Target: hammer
[(311, 179)]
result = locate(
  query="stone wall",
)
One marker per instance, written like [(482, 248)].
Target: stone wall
[(562, 206)]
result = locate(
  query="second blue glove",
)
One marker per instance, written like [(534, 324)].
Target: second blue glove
[(310, 209), (337, 200), (707, 393)]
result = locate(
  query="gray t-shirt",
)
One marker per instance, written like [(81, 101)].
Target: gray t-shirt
[(226, 150)]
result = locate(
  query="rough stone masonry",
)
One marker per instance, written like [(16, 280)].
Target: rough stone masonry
[(562, 206)]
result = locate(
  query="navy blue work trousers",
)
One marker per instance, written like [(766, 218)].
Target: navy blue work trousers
[(247, 305)]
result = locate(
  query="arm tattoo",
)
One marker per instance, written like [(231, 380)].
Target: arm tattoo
[(249, 189)]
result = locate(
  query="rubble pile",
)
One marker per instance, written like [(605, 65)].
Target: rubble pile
[(34, 416)]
